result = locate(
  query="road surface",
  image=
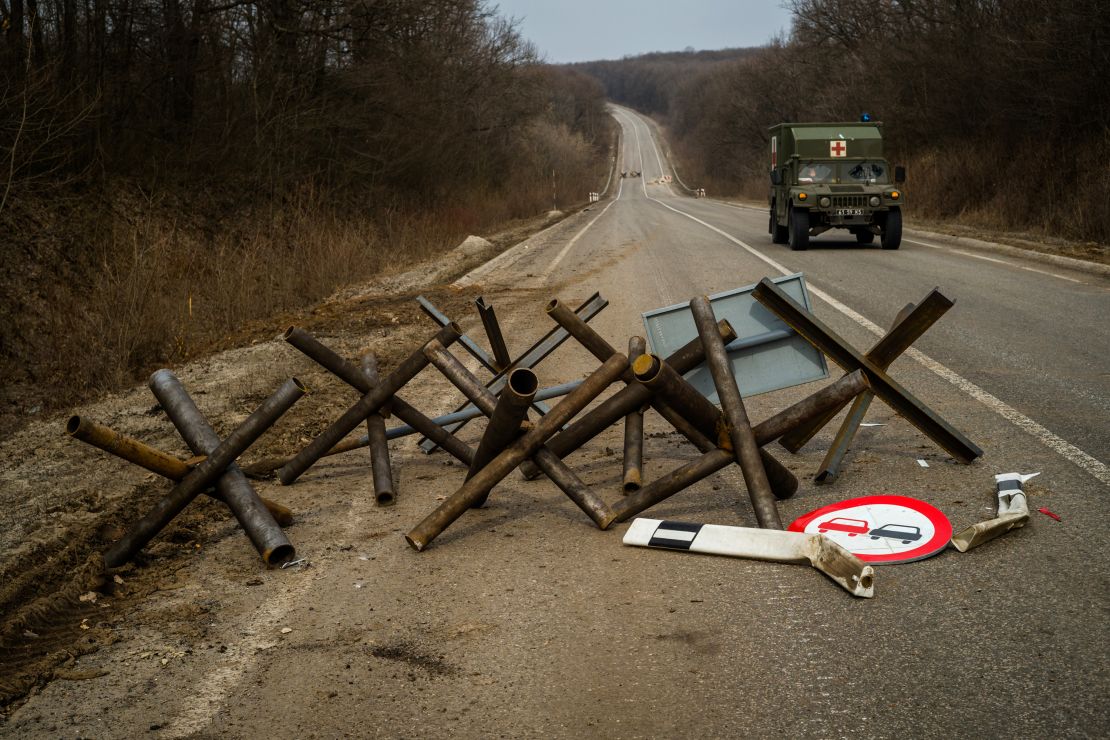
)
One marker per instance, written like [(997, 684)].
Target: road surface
[(523, 620)]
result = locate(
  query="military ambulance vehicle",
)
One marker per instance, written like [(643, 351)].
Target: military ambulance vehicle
[(833, 176)]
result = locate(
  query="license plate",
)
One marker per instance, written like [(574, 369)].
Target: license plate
[(849, 211)]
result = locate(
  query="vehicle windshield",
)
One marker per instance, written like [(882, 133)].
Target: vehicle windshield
[(871, 172), (815, 172)]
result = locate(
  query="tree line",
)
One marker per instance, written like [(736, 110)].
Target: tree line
[(171, 170), (996, 106)]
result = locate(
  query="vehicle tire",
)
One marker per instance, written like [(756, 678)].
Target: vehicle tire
[(865, 236), (892, 229), (798, 229), (778, 233)]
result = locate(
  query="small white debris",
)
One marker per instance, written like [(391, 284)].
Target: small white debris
[(922, 463), (286, 630)]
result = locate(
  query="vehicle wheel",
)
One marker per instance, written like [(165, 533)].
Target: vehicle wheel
[(798, 229), (865, 236), (874, 538), (892, 229), (905, 542), (778, 233)]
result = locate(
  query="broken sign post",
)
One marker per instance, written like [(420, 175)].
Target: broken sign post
[(777, 546)]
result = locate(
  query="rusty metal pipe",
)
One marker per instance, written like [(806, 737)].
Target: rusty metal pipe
[(910, 323), (546, 462), (382, 472), (368, 404), (406, 412), (765, 432), (218, 466), (633, 476), (624, 401), (524, 447), (505, 420), (732, 407), (683, 400), (152, 459)]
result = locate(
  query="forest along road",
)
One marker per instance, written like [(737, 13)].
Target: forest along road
[(523, 620)]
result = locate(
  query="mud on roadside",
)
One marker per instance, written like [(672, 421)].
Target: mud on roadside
[(62, 502)]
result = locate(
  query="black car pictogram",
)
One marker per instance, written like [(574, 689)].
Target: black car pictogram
[(905, 532)]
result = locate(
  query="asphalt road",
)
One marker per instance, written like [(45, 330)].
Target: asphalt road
[(523, 620)]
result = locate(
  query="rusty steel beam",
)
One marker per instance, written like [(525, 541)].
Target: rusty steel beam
[(889, 390), (551, 466), (377, 397), (483, 481), (685, 408), (380, 469), (910, 323), (488, 316), (765, 432), (531, 357), (739, 429), (624, 401), (633, 474), (218, 466), (350, 374), (152, 459)]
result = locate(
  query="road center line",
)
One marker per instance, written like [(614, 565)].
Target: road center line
[(1054, 442)]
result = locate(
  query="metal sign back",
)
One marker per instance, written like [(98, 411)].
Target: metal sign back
[(767, 356)]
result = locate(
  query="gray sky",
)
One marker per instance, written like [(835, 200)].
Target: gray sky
[(584, 30)]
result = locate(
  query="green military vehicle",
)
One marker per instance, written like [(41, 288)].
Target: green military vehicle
[(833, 176)]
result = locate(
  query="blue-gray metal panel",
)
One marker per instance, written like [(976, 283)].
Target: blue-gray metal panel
[(767, 355)]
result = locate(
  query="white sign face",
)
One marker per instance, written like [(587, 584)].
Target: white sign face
[(838, 148), (881, 529)]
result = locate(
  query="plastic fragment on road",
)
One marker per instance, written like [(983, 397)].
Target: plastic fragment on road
[(1046, 512), (777, 546), (1013, 513), (922, 463)]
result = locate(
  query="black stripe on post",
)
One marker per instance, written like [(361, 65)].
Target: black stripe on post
[(674, 535)]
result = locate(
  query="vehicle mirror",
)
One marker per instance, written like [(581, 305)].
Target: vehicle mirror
[(899, 174), (776, 177)]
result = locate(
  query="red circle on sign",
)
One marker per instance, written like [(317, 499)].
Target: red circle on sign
[(942, 528)]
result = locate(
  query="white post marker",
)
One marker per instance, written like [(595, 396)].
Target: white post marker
[(758, 544), (1013, 512)]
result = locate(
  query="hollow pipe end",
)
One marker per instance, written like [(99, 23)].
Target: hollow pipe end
[(415, 542), (289, 331), (524, 382), (300, 386), (385, 498), (551, 305), (73, 424), (279, 555)]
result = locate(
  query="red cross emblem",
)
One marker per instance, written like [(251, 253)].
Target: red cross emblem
[(837, 149)]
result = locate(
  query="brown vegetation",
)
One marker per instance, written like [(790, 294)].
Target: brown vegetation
[(170, 169), (996, 108)]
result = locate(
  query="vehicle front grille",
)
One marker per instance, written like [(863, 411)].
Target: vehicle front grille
[(849, 201)]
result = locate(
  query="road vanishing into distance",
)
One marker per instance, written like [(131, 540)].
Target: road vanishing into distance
[(524, 620)]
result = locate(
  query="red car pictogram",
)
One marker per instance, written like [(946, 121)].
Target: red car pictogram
[(844, 524)]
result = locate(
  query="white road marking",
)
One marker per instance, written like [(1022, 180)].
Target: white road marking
[(993, 259), (1051, 440), (563, 252)]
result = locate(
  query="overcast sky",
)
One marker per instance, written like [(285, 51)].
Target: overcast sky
[(584, 30)]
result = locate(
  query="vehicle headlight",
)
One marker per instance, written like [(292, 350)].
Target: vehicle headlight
[(825, 201), (802, 196), (875, 201)]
